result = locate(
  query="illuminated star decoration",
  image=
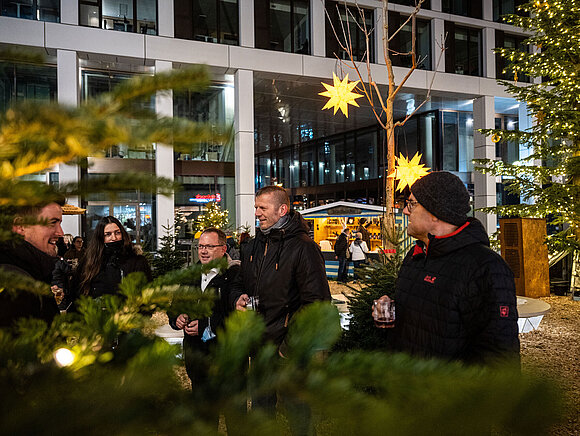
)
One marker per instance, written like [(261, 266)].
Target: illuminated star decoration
[(340, 94), (408, 172)]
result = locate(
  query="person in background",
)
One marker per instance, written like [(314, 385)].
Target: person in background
[(362, 229), (342, 253), (76, 251), (358, 249), (455, 297), (64, 244), (33, 255), (201, 334), (109, 257)]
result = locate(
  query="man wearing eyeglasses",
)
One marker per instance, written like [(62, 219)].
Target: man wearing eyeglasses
[(455, 297), (200, 334)]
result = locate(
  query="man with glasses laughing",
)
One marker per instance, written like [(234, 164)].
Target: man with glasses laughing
[(455, 297), (200, 334)]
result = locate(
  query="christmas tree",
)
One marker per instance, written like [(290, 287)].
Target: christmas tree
[(213, 216), (168, 258), (548, 180)]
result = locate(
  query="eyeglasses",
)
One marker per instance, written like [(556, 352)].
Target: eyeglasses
[(208, 246), (410, 204)]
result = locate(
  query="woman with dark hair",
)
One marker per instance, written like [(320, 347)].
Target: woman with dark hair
[(109, 257)]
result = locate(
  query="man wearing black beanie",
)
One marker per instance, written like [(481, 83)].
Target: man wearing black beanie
[(455, 297)]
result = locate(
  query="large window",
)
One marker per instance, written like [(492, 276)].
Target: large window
[(504, 7), (502, 68), (349, 157), (402, 42), (42, 10), (283, 25), (463, 54), (95, 83), (347, 23), (197, 192), (207, 20), (26, 82), (214, 106), (137, 16), (467, 8)]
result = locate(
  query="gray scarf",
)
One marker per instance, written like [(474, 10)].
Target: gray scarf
[(281, 223)]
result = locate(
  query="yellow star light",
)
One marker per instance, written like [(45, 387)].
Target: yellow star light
[(408, 172), (340, 94)]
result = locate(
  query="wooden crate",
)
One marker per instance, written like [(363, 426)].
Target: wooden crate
[(524, 250)]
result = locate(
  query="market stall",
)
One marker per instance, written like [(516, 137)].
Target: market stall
[(327, 222)]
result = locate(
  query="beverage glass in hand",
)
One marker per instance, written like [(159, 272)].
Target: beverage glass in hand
[(253, 303), (384, 313)]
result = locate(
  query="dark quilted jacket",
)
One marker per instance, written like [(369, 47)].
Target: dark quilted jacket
[(458, 300), (286, 270)]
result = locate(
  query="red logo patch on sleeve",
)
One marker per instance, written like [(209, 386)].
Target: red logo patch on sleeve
[(504, 311)]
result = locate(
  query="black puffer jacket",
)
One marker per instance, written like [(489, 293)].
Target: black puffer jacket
[(458, 300), (285, 269), (23, 258)]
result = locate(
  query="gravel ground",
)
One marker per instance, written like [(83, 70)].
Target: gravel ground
[(553, 351)]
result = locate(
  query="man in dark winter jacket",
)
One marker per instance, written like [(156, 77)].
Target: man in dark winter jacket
[(200, 334), (455, 297), (341, 250), (33, 256), (281, 266)]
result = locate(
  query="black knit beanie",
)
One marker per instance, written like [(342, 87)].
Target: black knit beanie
[(444, 195)]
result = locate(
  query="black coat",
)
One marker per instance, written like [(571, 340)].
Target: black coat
[(221, 286), (341, 245), (25, 259), (285, 269), (117, 263), (458, 300)]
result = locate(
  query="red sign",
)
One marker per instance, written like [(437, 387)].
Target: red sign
[(206, 198)]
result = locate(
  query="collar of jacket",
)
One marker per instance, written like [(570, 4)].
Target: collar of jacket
[(472, 232), (28, 258)]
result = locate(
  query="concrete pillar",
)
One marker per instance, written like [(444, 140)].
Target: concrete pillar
[(488, 39), (164, 164), (484, 148), (487, 10), (165, 18), (437, 40), (69, 94), (318, 23), (69, 12), (244, 144), (246, 20)]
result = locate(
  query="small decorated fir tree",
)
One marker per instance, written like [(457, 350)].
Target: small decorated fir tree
[(212, 217), (168, 257)]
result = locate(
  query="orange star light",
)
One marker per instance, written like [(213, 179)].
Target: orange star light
[(340, 94), (408, 172)]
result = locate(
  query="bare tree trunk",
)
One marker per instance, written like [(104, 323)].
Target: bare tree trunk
[(390, 132)]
